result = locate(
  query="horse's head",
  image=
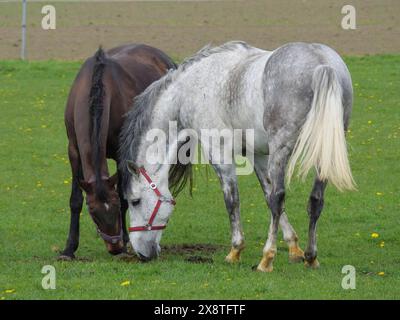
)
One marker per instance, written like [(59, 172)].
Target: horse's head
[(150, 206), (105, 209)]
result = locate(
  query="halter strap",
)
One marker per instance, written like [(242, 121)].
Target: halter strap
[(106, 237), (149, 226)]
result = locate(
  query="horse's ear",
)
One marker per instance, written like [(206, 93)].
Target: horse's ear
[(113, 180), (132, 168), (85, 186)]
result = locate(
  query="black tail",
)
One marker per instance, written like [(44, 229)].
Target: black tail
[(96, 112)]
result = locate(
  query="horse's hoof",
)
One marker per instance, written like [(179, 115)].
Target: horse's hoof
[(261, 268), (296, 255), (233, 256), (231, 259), (312, 264), (64, 257), (265, 264)]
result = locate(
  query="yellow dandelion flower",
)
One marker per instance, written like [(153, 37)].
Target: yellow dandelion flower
[(381, 273), (66, 182), (9, 290), (374, 235), (369, 122), (379, 194), (125, 283)]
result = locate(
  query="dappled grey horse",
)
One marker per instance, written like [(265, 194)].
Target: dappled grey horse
[(298, 101)]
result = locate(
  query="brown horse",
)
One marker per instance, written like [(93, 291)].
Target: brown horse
[(101, 94)]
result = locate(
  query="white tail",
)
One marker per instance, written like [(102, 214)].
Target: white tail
[(321, 143)]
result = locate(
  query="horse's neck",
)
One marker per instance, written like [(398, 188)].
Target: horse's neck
[(164, 124)]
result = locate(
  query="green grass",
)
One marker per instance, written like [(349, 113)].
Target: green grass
[(34, 193)]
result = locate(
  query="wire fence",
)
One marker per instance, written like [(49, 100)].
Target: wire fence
[(182, 27)]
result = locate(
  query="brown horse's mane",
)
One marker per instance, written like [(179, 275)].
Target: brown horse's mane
[(96, 97)]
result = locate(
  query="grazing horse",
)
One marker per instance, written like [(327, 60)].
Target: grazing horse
[(297, 100), (100, 96)]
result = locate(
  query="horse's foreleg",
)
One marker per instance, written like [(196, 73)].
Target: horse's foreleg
[(75, 203), (276, 175), (289, 234), (228, 179), (315, 205)]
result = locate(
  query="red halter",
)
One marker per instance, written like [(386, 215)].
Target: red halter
[(149, 226)]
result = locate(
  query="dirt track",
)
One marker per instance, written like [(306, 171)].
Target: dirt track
[(181, 28)]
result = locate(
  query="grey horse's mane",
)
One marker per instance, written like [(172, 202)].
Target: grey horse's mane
[(138, 119)]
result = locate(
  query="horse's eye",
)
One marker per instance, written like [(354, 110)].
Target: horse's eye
[(135, 202)]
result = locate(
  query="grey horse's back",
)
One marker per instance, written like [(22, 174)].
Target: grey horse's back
[(288, 76)]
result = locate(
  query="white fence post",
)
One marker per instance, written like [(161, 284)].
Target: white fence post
[(23, 44)]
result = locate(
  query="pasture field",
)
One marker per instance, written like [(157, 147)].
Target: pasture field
[(34, 213)]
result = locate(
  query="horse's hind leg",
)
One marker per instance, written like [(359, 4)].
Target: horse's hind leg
[(75, 203), (289, 234), (276, 175), (228, 179), (315, 205)]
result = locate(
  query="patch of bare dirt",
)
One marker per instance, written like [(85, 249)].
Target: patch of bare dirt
[(193, 253), (199, 259), (191, 248)]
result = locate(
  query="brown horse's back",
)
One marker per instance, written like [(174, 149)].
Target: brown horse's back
[(128, 71)]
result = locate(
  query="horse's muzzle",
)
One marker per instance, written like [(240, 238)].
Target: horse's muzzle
[(151, 254), (115, 248)]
